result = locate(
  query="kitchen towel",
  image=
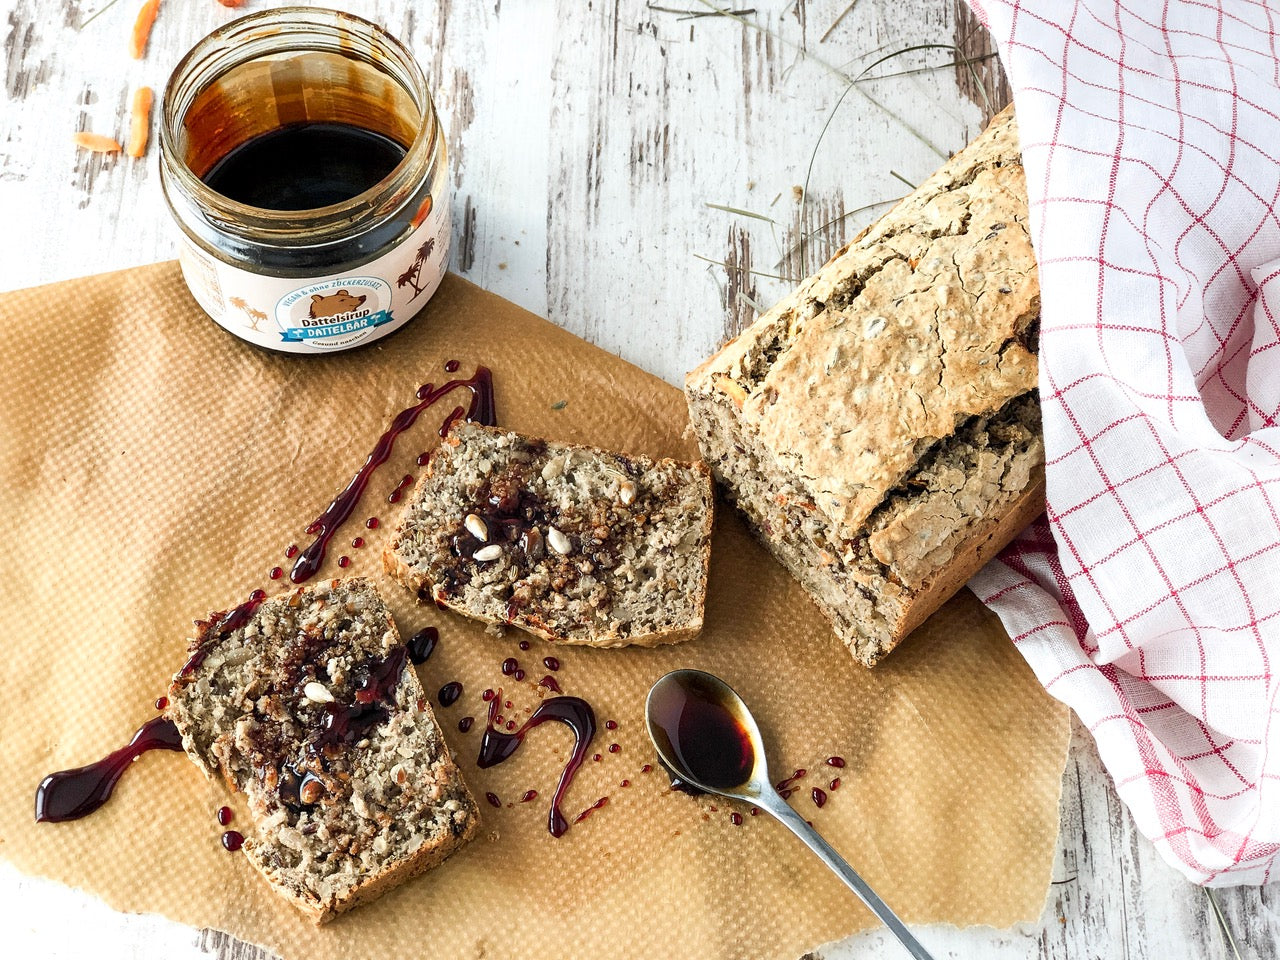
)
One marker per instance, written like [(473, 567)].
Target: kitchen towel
[(1148, 598)]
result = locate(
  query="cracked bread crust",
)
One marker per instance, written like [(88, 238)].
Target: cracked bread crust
[(926, 319), (311, 710), (880, 427), (567, 542)]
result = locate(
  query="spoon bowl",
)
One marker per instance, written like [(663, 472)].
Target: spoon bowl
[(709, 742)]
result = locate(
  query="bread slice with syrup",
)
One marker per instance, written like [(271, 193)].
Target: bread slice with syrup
[(570, 543), (307, 704)]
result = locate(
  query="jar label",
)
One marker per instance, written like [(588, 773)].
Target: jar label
[(323, 314)]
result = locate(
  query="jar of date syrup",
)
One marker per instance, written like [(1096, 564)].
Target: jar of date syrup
[(302, 159)]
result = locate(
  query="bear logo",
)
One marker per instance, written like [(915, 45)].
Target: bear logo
[(334, 304)]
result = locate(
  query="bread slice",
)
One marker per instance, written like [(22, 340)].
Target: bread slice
[(880, 427), (307, 704), (571, 543)]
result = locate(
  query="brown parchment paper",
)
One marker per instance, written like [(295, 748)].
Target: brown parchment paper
[(153, 468)]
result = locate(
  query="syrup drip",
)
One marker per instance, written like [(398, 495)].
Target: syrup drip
[(229, 622), (291, 551), (590, 810), (72, 794), (349, 723), (344, 562), (552, 664), (357, 543), (465, 724), (523, 644), (449, 693), (646, 768), (450, 366), (835, 761), (625, 783), (493, 799), (834, 784), (224, 816), (529, 795), (487, 696), (371, 523), (422, 459), (611, 724), (422, 644), (574, 713), (161, 702), (275, 573), (735, 818), (597, 757), (550, 683), (615, 748), (510, 666), (481, 409), (519, 674), (819, 797), (232, 840)]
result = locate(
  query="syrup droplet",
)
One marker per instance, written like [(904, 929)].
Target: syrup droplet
[(574, 713), (161, 702), (625, 783), (357, 543), (232, 840), (519, 674), (735, 818), (291, 551), (510, 724), (224, 816), (465, 724), (275, 573), (449, 693), (835, 761), (819, 796), (344, 562), (493, 799), (755, 811), (615, 748), (611, 724), (551, 663), (510, 666), (487, 696), (590, 810), (450, 366), (646, 768), (529, 795), (835, 784), (422, 644), (550, 683), (422, 459), (597, 757), (371, 523), (523, 644)]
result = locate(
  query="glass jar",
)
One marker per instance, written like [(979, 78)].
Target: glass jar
[(330, 224)]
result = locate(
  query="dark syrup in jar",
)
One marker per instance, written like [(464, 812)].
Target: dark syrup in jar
[(702, 733), (304, 166)]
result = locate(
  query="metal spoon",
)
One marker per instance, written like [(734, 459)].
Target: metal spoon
[(708, 740)]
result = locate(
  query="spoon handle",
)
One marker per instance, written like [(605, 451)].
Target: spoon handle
[(780, 809)]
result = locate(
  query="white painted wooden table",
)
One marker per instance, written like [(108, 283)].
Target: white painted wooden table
[(589, 142)]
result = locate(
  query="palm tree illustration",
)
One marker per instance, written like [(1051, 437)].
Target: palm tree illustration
[(255, 316), (411, 276)]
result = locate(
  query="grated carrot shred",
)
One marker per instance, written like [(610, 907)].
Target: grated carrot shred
[(142, 28), (95, 142), (140, 122)]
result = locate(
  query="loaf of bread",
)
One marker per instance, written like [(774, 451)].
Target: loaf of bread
[(307, 704), (571, 543), (880, 426)]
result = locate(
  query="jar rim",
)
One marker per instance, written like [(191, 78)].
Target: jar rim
[(238, 42)]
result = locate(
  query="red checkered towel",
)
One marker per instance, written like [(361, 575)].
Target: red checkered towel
[(1148, 598)]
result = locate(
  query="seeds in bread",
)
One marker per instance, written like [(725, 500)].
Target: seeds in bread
[(311, 710), (880, 426), (567, 542)]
